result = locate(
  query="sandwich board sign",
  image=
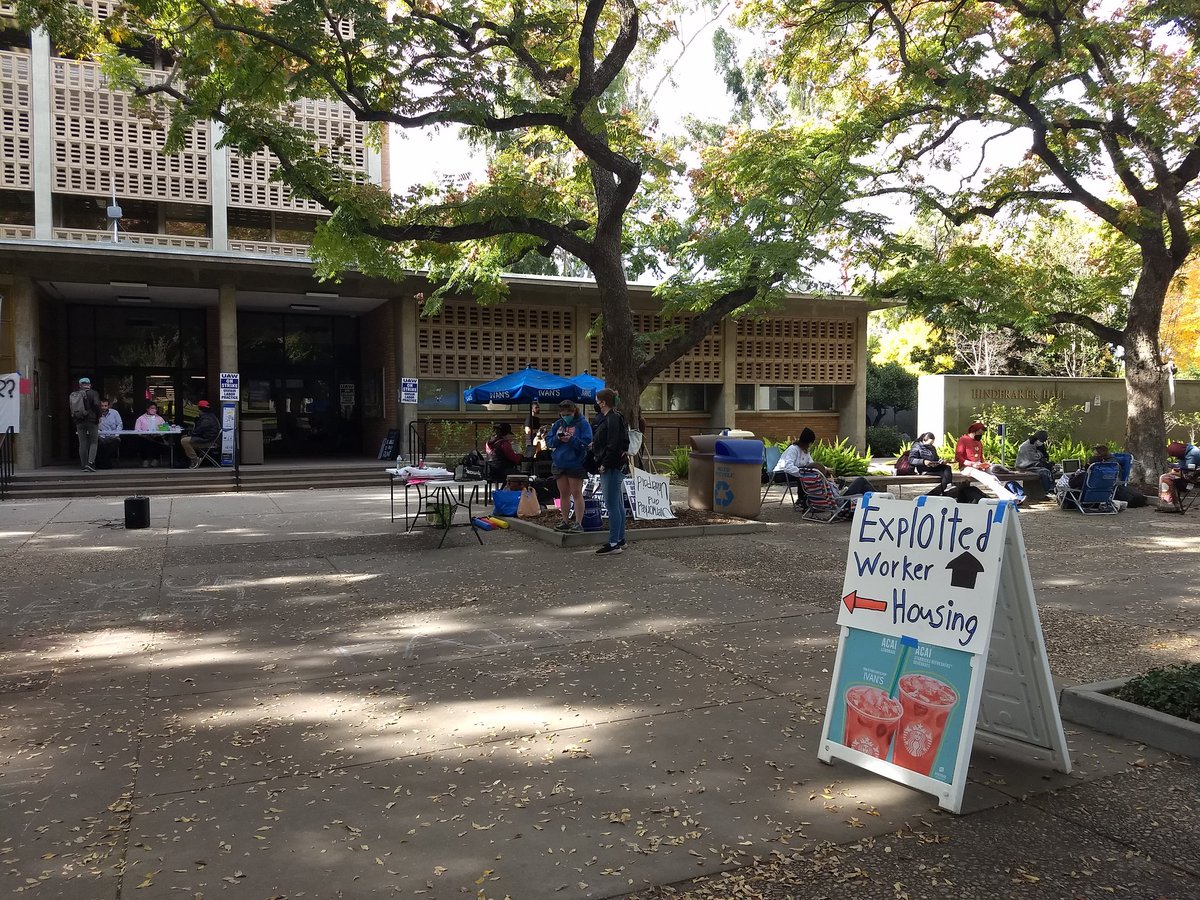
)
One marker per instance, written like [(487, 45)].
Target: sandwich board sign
[(939, 639)]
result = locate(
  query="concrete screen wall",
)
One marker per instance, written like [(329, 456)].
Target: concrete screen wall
[(945, 403)]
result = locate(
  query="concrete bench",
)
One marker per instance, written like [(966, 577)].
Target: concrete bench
[(1029, 481)]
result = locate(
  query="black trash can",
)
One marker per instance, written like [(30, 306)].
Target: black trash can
[(137, 513)]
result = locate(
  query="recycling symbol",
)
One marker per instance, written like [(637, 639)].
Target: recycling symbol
[(722, 493)]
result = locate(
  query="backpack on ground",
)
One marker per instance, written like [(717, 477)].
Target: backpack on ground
[(80, 408), (968, 493), (904, 466)]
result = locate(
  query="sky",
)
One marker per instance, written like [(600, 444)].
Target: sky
[(695, 89)]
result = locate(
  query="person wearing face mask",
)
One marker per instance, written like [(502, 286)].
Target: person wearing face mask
[(925, 461), (968, 452), (1033, 457), (568, 441), (610, 448)]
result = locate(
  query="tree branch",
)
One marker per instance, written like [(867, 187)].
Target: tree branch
[(1105, 333)]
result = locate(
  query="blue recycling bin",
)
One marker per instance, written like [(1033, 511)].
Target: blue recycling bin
[(737, 477)]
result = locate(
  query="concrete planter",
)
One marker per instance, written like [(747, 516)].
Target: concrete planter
[(596, 538), (1092, 705)]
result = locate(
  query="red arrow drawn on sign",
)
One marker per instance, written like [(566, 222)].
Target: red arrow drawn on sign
[(853, 602)]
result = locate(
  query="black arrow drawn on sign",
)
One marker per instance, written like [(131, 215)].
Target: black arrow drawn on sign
[(964, 570)]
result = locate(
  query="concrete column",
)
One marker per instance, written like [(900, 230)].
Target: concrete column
[(218, 186), (43, 136), (583, 358), (227, 354), (852, 399), (405, 315), (22, 300)]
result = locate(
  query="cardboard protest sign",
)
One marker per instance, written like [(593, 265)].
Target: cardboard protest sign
[(651, 495)]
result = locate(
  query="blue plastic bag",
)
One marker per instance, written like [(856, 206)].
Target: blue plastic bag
[(506, 502), (1015, 488)]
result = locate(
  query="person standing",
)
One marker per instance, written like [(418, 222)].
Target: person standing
[(110, 426), (533, 422), (610, 446), (204, 434), (1032, 456), (569, 438), (85, 412)]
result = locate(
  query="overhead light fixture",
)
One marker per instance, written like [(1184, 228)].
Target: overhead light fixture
[(129, 285), (318, 295), (133, 299), (305, 307)]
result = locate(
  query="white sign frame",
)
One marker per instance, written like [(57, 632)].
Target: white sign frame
[(1011, 694)]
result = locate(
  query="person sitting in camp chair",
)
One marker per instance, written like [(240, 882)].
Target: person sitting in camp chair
[(1184, 477), (1093, 492)]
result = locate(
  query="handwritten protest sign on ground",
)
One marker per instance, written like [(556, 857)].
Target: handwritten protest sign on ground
[(652, 496)]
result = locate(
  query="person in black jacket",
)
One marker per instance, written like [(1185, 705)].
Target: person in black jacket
[(610, 443), (925, 461), (204, 434)]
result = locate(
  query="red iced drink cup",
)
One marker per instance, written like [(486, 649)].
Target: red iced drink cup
[(927, 703), (871, 717)]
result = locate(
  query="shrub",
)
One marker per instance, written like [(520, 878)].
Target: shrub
[(840, 458), (884, 440), (1174, 690), (677, 463)]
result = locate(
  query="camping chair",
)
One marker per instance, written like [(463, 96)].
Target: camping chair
[(1125, 461), (823, 503), (208, 453), (773, 478), (1095, 497)]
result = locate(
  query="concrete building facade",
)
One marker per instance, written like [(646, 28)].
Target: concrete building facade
[(209, 272)]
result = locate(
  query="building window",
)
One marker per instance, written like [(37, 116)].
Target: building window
[(439, 396), (686, 398), (777, 396), (744, 397), (652, 398)]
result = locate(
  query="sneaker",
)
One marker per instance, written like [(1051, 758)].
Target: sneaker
[(89, 468), (574, 528), (195, 464), (145, 463), (609, 548), (563, 526), (154, 463), (621, 543)]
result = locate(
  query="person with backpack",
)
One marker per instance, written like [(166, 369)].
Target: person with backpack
[(85, 413), (923, 460), (610, 446)]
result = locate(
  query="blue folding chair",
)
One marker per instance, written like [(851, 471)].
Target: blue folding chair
[(773, 478), (1095, 496), (1125, 461)]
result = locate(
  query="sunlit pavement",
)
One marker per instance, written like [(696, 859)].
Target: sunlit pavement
[(283, 695)]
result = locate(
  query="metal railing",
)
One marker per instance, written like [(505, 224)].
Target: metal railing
[(8, 459)]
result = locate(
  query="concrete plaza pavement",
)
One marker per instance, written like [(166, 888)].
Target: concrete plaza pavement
[(283, 695)]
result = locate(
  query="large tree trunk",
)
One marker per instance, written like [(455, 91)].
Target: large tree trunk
[(618, 336), (1145, 375)]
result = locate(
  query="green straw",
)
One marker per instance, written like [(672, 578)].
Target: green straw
[(907, 644)]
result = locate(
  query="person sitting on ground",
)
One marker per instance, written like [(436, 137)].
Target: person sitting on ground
[(149, 447), (1033, 457), (925, 461), (502, 460), (110, 435), (1184, 476), (569, 438), (204, 434)]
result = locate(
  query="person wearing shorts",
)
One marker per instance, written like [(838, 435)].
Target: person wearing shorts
[(568, 440)]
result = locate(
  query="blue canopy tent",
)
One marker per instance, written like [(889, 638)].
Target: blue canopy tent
[(588, 385), (524, 387)]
